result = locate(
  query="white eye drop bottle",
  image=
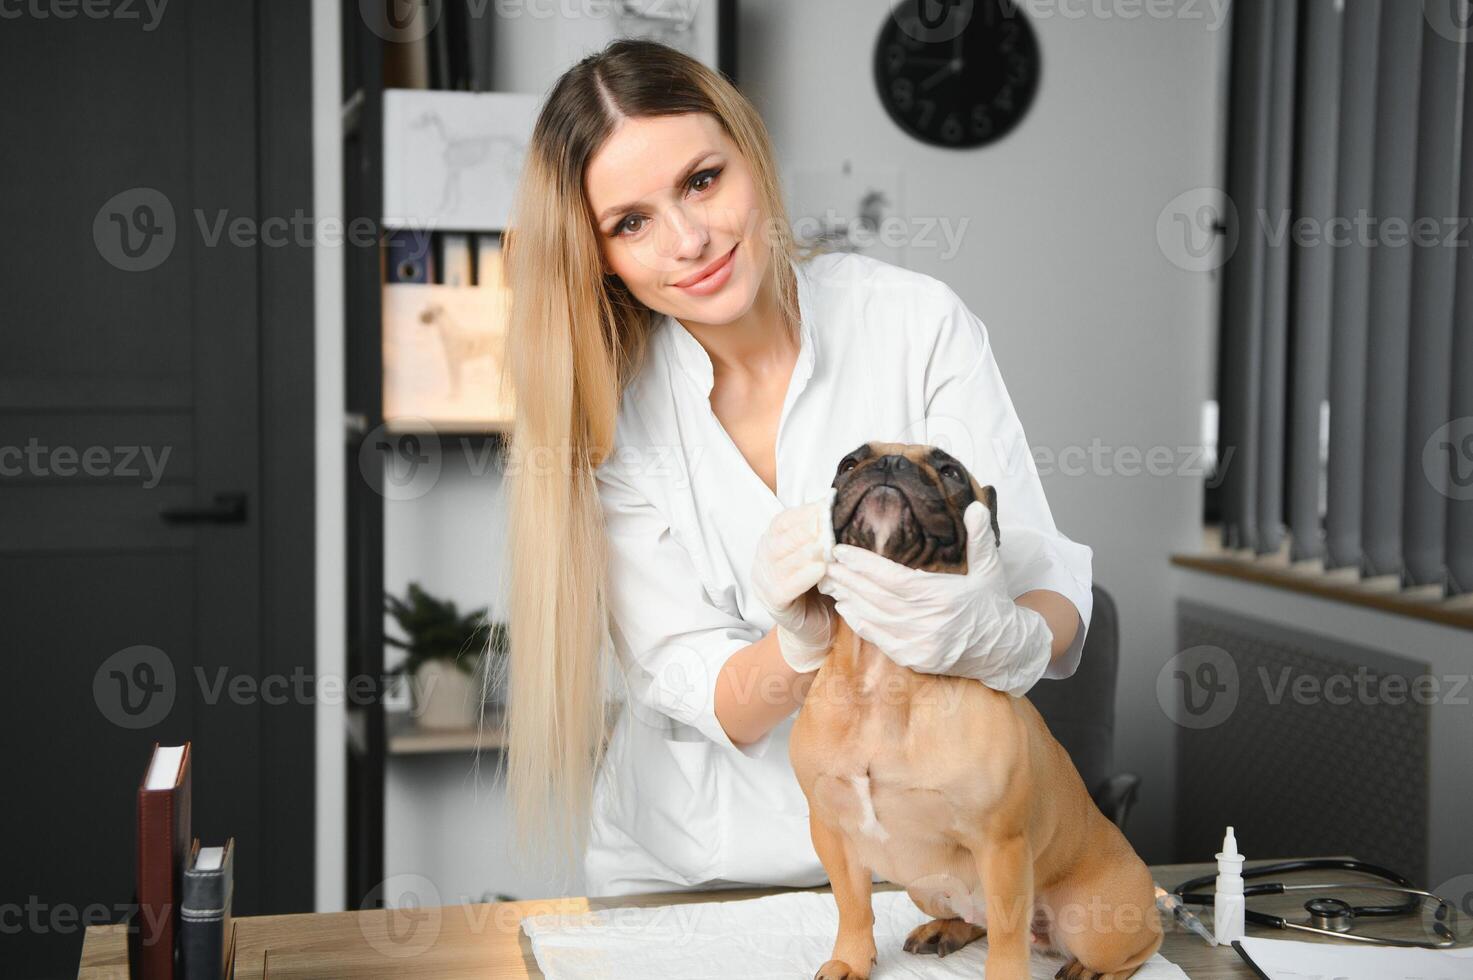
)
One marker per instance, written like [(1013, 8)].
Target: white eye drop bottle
[(1227, 900)]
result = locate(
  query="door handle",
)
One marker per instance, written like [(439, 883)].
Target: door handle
[(228, 508)]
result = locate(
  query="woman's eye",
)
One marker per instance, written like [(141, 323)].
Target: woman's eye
[(619, 229), (712, 174)]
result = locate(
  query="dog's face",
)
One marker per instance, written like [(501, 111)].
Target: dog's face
[(905, 503)]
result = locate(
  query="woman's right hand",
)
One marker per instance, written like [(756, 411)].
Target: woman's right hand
[(792, 555)]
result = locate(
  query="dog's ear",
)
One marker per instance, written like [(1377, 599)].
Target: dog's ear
[(988, 496)]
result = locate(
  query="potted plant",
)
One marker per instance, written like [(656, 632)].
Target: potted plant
[(443, 656)]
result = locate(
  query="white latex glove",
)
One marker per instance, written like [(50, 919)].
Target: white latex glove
[(941, 622), (792, 555)]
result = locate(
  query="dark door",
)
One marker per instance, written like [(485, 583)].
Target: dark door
[(153, 483)]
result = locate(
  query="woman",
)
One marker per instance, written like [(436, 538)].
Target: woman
[(686, 385)]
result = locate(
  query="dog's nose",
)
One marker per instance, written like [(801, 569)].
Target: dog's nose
[(895, 463)]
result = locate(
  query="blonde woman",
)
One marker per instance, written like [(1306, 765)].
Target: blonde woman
[(686, 384)]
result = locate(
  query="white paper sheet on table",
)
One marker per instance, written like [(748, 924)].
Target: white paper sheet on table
[(785, 936), (1288, 959)]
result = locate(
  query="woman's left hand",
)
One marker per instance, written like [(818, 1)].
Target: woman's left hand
[(942, 622)]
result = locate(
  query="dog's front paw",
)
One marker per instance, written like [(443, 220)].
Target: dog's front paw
[(942, 936), (839, 970)]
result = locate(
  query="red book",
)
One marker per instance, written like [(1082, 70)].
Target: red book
[(163, 847)]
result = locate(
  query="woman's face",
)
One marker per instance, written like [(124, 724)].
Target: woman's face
[(672, 198)]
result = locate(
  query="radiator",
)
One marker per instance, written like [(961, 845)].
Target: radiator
[(1304, 744)]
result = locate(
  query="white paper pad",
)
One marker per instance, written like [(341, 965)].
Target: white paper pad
[(785, 936), (1287, 959)]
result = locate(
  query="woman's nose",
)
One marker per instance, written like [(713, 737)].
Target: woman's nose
[(683, 234)]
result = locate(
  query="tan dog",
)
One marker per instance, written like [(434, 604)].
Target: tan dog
[(942, 785)]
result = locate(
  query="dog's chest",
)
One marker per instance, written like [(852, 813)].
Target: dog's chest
[(885, 775)]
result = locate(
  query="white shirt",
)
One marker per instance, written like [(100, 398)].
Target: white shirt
[(886, 354)]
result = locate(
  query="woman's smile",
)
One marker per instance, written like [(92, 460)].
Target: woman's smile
[(712, 278)]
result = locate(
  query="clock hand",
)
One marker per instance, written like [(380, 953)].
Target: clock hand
[(946, 69)]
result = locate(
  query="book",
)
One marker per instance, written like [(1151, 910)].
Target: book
[(162, 847), (204, 912)]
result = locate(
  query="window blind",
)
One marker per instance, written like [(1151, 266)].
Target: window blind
[(1350, 291)]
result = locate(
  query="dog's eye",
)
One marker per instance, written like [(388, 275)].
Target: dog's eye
[(848, 465), (951, 471)]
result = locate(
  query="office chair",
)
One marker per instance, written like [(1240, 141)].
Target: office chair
[(1080, 711)]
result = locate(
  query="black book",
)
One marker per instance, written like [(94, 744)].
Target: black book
[(204, 912)]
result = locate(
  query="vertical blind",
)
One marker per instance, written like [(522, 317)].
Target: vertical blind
[(1346, 360)]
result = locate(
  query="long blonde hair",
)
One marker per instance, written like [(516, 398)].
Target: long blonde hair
[(576, 339)]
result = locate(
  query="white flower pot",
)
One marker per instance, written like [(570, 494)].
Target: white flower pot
[(446, 696)]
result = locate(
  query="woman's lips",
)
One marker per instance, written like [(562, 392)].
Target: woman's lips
[(713, 280)]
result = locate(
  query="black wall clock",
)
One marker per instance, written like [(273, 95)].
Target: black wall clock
[(956, 73)]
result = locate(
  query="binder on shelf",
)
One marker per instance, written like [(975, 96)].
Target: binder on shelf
[(455, 270), (162, 848), (407, 256)]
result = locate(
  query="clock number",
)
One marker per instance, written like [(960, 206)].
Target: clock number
[(981, 121), (1004, 99), (928, 106), (951, 130), (903, 91), (894, 58)]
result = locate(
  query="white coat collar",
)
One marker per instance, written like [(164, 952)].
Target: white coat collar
[(696, 363)]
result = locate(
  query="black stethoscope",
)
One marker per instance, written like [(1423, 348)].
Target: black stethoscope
[(1332, 916)]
